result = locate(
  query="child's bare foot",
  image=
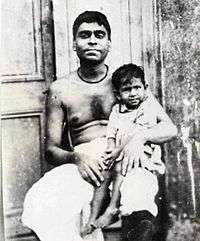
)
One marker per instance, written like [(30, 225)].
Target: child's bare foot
[(87, 229), (110, 216)]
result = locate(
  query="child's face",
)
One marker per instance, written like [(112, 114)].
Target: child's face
[(132, 93)]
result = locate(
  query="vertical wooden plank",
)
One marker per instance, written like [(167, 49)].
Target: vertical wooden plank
[(144, 40), (1, 187), (1, 195), (149, 42), (136, 34), (48, 44), (126, 39), (62, 44)]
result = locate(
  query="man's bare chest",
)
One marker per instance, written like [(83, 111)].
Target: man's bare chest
[(88, 104)]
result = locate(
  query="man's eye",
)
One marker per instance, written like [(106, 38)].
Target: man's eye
[(84, 35), (100, 35)]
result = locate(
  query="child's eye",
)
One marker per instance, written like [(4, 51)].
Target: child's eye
[(126, 89)]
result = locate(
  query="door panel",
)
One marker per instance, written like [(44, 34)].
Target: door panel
[(21, 41), (27, 69)]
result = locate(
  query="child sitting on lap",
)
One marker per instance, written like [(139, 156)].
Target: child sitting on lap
[(135, 111)]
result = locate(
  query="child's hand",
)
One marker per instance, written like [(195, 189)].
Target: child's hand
[(110, 156)]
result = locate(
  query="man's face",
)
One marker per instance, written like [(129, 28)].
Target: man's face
[(132, 93), (92, 43)]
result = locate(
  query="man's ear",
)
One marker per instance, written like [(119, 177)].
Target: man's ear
[(74, 45), (109, 46)]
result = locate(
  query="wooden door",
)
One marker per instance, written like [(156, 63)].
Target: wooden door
[(27, 69)]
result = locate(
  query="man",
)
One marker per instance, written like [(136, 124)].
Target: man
[(78, 108)]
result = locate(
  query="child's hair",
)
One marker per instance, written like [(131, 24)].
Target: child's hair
[(91, 17), (125, 73)]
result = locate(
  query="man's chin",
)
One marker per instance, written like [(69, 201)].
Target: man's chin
[(92, 61)]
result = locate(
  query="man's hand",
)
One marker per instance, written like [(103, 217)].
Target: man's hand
[(111, 156), (131, 154), (89, 168)]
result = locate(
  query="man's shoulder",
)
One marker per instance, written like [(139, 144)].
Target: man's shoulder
[(152, 104), (61, 83), (150, 98)]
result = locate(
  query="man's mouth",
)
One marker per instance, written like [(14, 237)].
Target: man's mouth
[(92, 50)]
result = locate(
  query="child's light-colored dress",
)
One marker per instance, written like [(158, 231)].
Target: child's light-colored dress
[(140, 185)]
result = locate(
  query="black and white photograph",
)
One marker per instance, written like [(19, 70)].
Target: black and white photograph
[(100, 120)]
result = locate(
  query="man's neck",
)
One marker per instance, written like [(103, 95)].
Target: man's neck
[(92, 73)]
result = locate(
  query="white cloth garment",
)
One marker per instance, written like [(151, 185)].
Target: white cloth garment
[(56, 205), (138, 191)]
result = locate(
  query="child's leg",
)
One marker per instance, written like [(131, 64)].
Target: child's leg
[(117, 179), (99, 197), (111, 214)]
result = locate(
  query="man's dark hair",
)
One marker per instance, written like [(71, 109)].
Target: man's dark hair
[(91, 17), (125, 73)]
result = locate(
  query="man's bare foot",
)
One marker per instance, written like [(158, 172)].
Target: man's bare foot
[(87, 229), (110, 216)]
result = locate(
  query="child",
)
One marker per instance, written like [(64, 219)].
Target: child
[(135, 111)]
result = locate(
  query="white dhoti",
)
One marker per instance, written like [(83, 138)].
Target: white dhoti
[(56, 205)]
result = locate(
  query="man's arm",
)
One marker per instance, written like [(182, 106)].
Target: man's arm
[(54, 128), (162, 132), (88, 168)]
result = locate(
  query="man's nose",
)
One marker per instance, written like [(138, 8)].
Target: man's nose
[(92, 39)]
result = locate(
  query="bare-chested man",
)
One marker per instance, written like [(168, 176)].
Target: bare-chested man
[(84, 99), (79, 105)]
